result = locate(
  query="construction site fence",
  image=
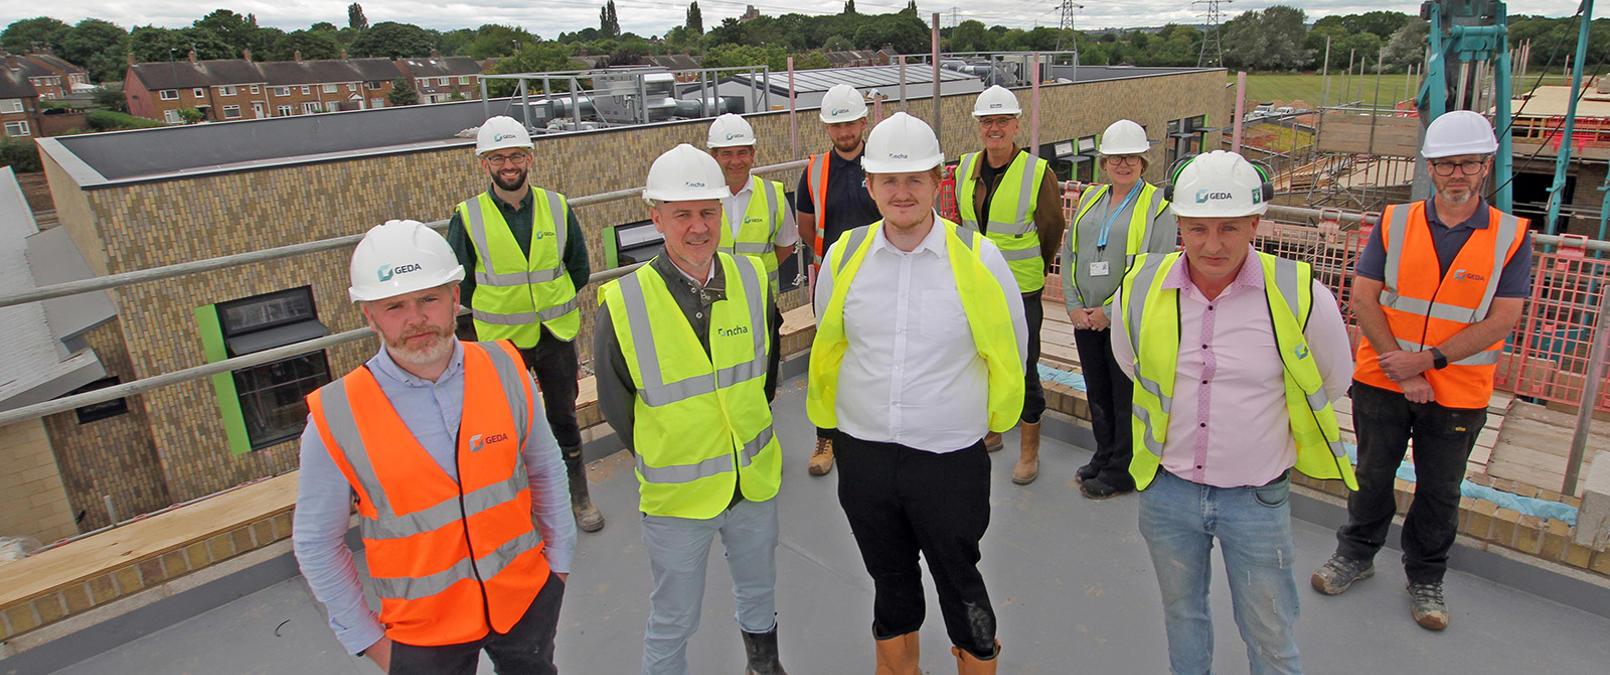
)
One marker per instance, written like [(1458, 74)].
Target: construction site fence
[(1549, 355)]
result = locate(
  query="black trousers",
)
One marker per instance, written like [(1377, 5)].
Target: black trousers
[(776, 352), (1110, 394), (527, 649), (1443, 438), (1033, 393), (901, 502), (553, 362)]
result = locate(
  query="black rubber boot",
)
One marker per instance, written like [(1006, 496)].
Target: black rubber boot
[(588, 518), (761, 650)]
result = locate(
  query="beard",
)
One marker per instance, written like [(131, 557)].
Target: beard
[(510, 185), (847, 146), (419, 355)]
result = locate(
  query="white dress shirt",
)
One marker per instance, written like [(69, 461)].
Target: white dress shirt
[(912, 374), (736, 205)]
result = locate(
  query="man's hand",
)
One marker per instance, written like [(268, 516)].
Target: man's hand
[(1098, 320), (380, 653), (1080, 318), (1417, 389), (563, 576), (1402, 365)]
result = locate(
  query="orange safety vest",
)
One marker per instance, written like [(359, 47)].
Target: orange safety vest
[(1425, 307), (816, 185), (449, 559)]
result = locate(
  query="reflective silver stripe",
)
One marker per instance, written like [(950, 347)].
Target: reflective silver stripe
[(964, 172), (1015, 254), (1286, 283), (511, 374), (1396, 230), (1155, 389), (514, 319), (1336, 448), (715, 466), (752, 248), (477, 230), (969, 237), (341, 424), (656, 391), (517, 278), (1025, 199), (1482, 358), (1435, 310), (561, 224), (559, 310), (852, 243), (1508, 229), (1318, 401), (446, 512), (1135, 301), (773, 221), (1152, 443), (488, 566)]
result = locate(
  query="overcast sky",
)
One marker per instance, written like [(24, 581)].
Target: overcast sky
[(548, 18)]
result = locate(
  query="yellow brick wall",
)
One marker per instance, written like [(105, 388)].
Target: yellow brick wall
[(186, 218), (35, 503)]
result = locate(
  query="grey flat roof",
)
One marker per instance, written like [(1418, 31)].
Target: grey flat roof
[(861, 77)]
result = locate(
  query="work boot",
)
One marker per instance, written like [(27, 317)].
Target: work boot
[(1098, 488), (1429, 609), (993, 442), (898, 655), (588, 518), (967, 664), (761, 651), (822, 458), (1338, 574), (1086, 472), (1028, 459)]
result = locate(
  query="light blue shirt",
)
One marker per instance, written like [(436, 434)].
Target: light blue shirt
[(431, 411)]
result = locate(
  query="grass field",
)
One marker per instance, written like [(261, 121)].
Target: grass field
[(1310, 88)]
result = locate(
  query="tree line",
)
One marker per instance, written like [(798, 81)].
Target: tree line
[(1277, 38)]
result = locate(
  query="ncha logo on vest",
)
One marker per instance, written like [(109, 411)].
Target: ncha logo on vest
[(386, 272), (732, 332)]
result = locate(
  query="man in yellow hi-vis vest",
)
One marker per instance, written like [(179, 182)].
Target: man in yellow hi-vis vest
[(1236, 356), (758, 222), (918, 353), (680, 348), (528, 260)]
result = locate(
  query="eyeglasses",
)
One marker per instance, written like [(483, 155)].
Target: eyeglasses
[(1469, 167), (1115, 160), (996, 121), (516, 159)]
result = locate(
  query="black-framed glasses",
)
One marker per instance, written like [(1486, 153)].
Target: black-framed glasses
[(1469, 167), (516, 159), (1115, 160)]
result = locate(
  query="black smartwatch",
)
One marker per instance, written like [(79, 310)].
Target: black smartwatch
[(1438, 361)]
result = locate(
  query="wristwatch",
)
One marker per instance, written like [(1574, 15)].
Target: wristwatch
[(1438, 361)]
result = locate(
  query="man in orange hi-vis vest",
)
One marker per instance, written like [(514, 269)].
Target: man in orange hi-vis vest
[(457, 480), (1439, 285), (832, 199)]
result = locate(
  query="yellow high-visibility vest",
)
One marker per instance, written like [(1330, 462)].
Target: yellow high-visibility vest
[(1010, 221), (516, 295)]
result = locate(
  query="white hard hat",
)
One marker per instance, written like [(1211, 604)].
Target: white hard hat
[(1124, 138), (500, 132), (1459, 132), (1219, 184), (730, 130), (401, 256), (842, 104), (996, 100), (901, 144), (684, 173)]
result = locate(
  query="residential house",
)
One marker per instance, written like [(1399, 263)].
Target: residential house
[(60, 79), (439, 78), (19, 101), (304, 87), (223, 89)]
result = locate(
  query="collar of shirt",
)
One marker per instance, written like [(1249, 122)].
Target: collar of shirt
[(749, 187), (1476, 221), (1250, 277), (387, 371), (855, 161), (525, 202), (933, 243), (712, 290)]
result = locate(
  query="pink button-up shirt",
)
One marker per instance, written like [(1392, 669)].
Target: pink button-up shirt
[(1228, 426)]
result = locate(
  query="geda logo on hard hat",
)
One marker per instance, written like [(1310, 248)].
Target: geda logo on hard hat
[(386, 272), (839, 111), (735, 134), (1203, 195), (499, 137)]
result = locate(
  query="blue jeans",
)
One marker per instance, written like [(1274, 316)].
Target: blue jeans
[(678, 549), (1180, 520)]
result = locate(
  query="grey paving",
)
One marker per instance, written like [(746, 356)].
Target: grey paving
[(1070, 578)]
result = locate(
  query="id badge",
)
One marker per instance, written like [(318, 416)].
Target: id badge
[(1099, 269)]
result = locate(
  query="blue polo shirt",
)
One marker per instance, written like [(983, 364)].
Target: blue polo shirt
[(1514, 282)]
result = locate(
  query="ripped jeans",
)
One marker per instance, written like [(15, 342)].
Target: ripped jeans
[(1179, 520)]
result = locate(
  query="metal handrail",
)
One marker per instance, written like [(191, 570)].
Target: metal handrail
[(109, 281), (143, 385)]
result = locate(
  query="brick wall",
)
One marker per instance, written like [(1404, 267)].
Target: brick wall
[(34, 503), (137, 226)]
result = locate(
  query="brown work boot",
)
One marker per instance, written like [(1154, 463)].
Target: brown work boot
[(898, 655), (993, 442), (967, 664), (1028, 459), (1429, 608), (822, 458), (588, 517)]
